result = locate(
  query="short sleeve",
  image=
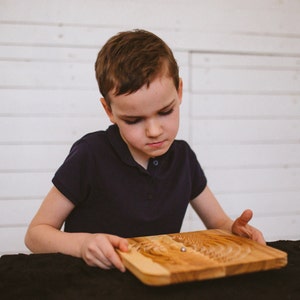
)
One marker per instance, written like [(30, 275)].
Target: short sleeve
[(73, 178), (198, 177)]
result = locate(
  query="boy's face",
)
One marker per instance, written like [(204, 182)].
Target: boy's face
[(148, 119)]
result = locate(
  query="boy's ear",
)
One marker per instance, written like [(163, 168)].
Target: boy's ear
[(107, 109), (180, 89)]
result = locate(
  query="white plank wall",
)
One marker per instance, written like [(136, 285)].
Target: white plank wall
[(240, 62)]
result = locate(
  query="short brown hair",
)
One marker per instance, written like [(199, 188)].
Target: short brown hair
[(132, 59)]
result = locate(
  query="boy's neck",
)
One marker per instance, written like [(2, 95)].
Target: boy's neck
[(142, 162)]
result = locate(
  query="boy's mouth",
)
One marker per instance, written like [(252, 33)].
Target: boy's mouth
[(156, 144)]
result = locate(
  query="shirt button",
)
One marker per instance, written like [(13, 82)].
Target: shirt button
[(155, 162)]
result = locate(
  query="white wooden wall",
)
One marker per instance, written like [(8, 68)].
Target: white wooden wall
[(240, 62)]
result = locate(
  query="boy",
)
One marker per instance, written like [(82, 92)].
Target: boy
[(133, 179)]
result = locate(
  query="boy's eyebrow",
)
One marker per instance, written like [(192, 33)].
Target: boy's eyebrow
[(163, 108), (167, 106)]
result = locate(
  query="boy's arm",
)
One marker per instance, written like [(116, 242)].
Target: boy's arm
[(213, 216), (44, 235)]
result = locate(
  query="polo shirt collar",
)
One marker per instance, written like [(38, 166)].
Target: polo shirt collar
[(123, 152), (120, 146)]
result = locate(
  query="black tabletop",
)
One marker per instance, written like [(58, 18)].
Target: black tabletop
[(57, 276)]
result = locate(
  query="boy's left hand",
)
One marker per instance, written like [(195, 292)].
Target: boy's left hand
[(241, 227)]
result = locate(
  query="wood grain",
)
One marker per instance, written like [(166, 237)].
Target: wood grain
[(159, 260)]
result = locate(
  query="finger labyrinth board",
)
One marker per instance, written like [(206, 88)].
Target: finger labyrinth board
[(159, 260)]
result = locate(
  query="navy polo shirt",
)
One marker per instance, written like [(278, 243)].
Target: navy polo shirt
[(113, 194)]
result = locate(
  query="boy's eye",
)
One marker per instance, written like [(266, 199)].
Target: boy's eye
[(133, 121), (166, 112)]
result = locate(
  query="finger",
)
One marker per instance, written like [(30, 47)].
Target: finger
[(96, 258), (105, 259), (258, 237), (103, 264), (111, 254), (114, 259)]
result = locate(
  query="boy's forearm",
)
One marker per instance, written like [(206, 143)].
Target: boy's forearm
[(227, 225), (224, 223), (46, 239)]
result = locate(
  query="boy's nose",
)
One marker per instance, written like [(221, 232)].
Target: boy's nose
[(153, 128)]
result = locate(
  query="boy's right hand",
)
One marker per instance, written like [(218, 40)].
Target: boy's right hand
[(99, 250)]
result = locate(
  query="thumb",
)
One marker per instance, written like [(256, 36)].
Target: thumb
[(245, 217), (240, 225), (118, 242)]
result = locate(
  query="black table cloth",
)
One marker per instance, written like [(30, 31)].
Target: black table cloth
[(57, 276)]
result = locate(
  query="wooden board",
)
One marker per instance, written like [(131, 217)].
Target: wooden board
[(173, 258)]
